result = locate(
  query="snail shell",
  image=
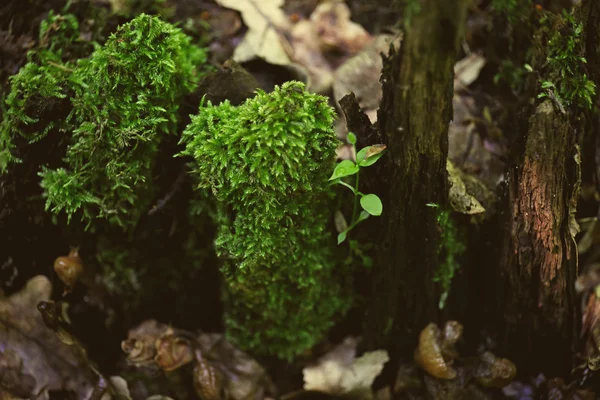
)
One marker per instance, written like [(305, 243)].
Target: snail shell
[(429, 355), (69, 268), (209, 381)]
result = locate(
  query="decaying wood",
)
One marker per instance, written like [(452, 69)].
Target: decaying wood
[(413, 121), (538, 306)]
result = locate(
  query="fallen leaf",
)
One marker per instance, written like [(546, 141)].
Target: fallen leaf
[(53, 364), (467, 70), (339, 372), (306, 51), (244, 377), (360, 75), (266, 24), (325, 41), (460, 200), (336, 30), (120, 389)]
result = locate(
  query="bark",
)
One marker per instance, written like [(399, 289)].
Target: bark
[(538, 265), (540, 256), (413, 122)]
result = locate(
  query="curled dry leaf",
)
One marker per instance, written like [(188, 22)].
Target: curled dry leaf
[(69, 269), (209, 381), (460, 200), (53, 364), (339, 372), (172, 351), (495, 372), (435, 352), (245, 378), (221, 370), (140, 343)]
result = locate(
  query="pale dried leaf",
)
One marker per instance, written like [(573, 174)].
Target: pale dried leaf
[(266, 24), (467, 70), (305, 42), (53, 364), (119, 385), (339, 372), (363, 371), (331, 20)]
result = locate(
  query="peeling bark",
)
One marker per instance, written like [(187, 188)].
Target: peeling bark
[(540, 259), (538, 265)]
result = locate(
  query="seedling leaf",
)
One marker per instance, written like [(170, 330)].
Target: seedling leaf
[(371, 203), (345, 168)]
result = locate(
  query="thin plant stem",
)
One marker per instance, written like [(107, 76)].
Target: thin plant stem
[(355, 199)]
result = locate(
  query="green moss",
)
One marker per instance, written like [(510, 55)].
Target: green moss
[(39, 86), (451, 247), (125, 99), (514, 10), (267, 161), (566, 80)]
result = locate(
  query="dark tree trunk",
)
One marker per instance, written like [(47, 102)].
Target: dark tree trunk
[(413, 122), (538, 264)]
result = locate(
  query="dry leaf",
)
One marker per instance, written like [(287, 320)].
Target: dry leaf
[(245, 378), (120, 388), (339, 372), (172, 351), (307, 52), (460, 200), (360, 74), (53, 364), (325, 41), (466, 71), (336, 31), (266, 24), (242, 377)]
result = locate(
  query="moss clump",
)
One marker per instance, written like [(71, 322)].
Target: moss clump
[(566, 80), (267, 161), (38, 89), (125, 100), (515, 10)]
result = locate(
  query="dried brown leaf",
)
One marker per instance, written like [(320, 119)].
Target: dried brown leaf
[(53, 364), (245, 378)]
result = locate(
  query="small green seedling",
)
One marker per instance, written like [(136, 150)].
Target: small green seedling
[(370, 203)]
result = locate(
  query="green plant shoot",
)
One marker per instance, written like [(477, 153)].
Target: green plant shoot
[(370, 203)]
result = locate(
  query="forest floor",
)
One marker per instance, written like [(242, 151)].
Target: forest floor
[(104, 347)]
